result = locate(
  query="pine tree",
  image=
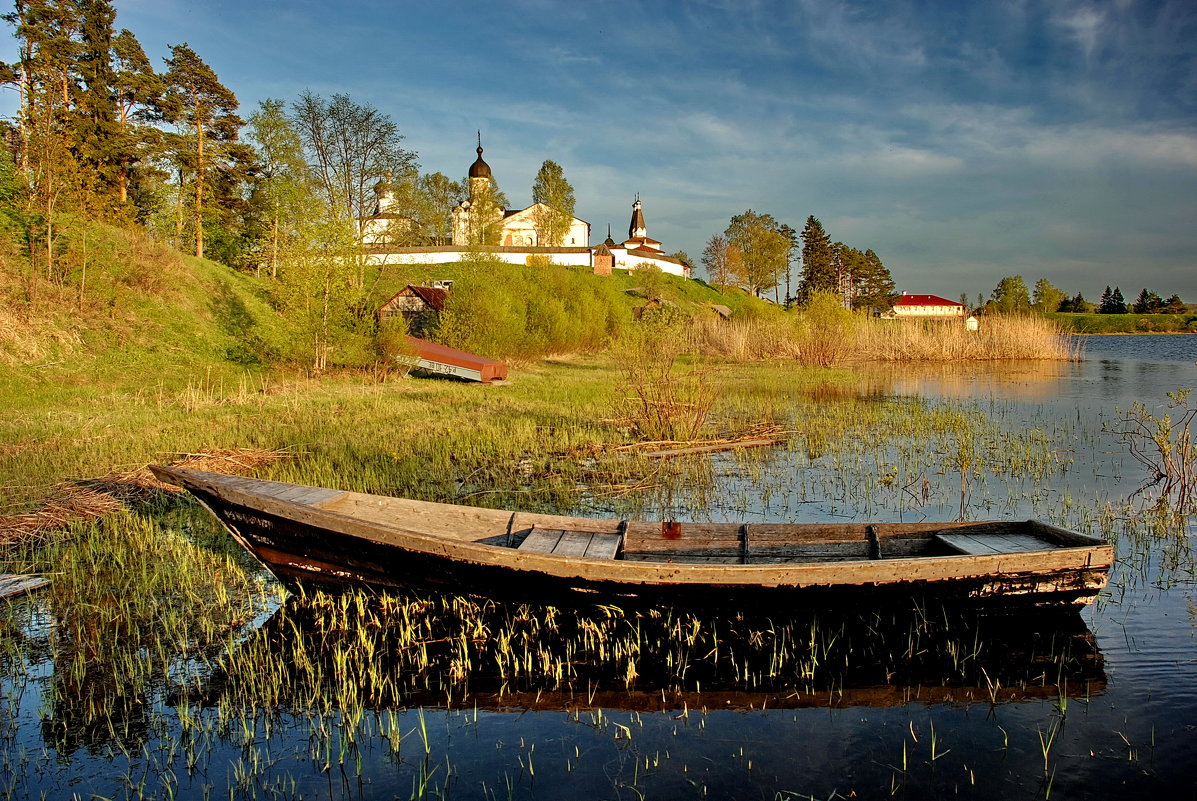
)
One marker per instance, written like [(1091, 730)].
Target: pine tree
[(97, 133), (47, 77), (1117, 302), (197, 101), (818, 270), (1105, 304), (138, 92), (1148, 302), (873, 285)]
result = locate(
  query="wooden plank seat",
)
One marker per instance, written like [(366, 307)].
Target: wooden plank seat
[(986, 544), (585, 544)]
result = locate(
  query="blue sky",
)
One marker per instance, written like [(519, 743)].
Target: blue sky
[(961, 141)]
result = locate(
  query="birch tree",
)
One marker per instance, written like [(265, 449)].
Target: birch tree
[(551, 189)]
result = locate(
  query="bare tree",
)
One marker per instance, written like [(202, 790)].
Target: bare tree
[(723, 261), (350, 146)]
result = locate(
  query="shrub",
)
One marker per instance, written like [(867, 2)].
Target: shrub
[(827, 330), (657, 402)]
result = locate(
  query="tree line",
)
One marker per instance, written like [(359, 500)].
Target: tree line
[(101, 133), (1012, 296), (757, 253)]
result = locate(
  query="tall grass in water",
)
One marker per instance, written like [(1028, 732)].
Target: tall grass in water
[(825, 334), (999, 337)]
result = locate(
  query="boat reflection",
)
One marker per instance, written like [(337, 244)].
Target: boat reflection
[(448, 652)]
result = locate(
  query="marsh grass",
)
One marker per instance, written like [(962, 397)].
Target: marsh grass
[(155, 655), (825, 334)]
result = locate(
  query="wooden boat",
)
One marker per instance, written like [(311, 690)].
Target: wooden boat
[(313, 536)]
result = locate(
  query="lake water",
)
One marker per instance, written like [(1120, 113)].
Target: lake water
[(862, 703)]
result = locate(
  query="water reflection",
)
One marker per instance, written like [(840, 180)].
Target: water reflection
[(1114, 370), (435, 651), (1036, 380)]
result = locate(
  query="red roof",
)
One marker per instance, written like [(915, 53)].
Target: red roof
[(924, 300), (430, 295)]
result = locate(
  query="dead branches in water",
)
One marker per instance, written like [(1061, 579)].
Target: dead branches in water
[(762, 436), (1164, 446), (665, 449)]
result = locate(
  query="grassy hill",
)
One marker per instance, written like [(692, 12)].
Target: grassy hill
[(117, 308), (116, 305)]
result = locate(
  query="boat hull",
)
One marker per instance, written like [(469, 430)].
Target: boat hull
[(305, 546)]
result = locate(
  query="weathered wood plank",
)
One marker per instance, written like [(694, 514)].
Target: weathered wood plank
[(847, 550), (669, 553), (315, 495), (541, 540), (682, 558), (992, 543), (573, 543), (13, 585), (603, 546)]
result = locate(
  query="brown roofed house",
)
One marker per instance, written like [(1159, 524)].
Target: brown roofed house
[(420, 306)]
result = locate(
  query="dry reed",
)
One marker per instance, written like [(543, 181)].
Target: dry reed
[(91, 499), (851, 338), (998, 337)]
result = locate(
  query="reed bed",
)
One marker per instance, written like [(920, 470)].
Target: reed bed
[(826, 337), (998, 338)]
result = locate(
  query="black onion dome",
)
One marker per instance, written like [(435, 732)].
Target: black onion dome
[(480, 169)]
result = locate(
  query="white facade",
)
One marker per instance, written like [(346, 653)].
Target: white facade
[(518, 237), (519, 229), (566, 257)]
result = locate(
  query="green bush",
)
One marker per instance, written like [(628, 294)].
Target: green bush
[(520, 313)]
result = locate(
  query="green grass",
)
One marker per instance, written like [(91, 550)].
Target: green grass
[(1127, 323)]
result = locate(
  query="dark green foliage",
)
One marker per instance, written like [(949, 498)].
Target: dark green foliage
[(1112, 302), (818, 267), (872, 287), (1076, 305), (137, 91), (1148, 303), (206, 112)]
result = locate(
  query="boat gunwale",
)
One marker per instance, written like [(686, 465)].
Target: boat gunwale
[(944, 568)]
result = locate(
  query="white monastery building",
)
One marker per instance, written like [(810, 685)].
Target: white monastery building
[(518, 235)]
